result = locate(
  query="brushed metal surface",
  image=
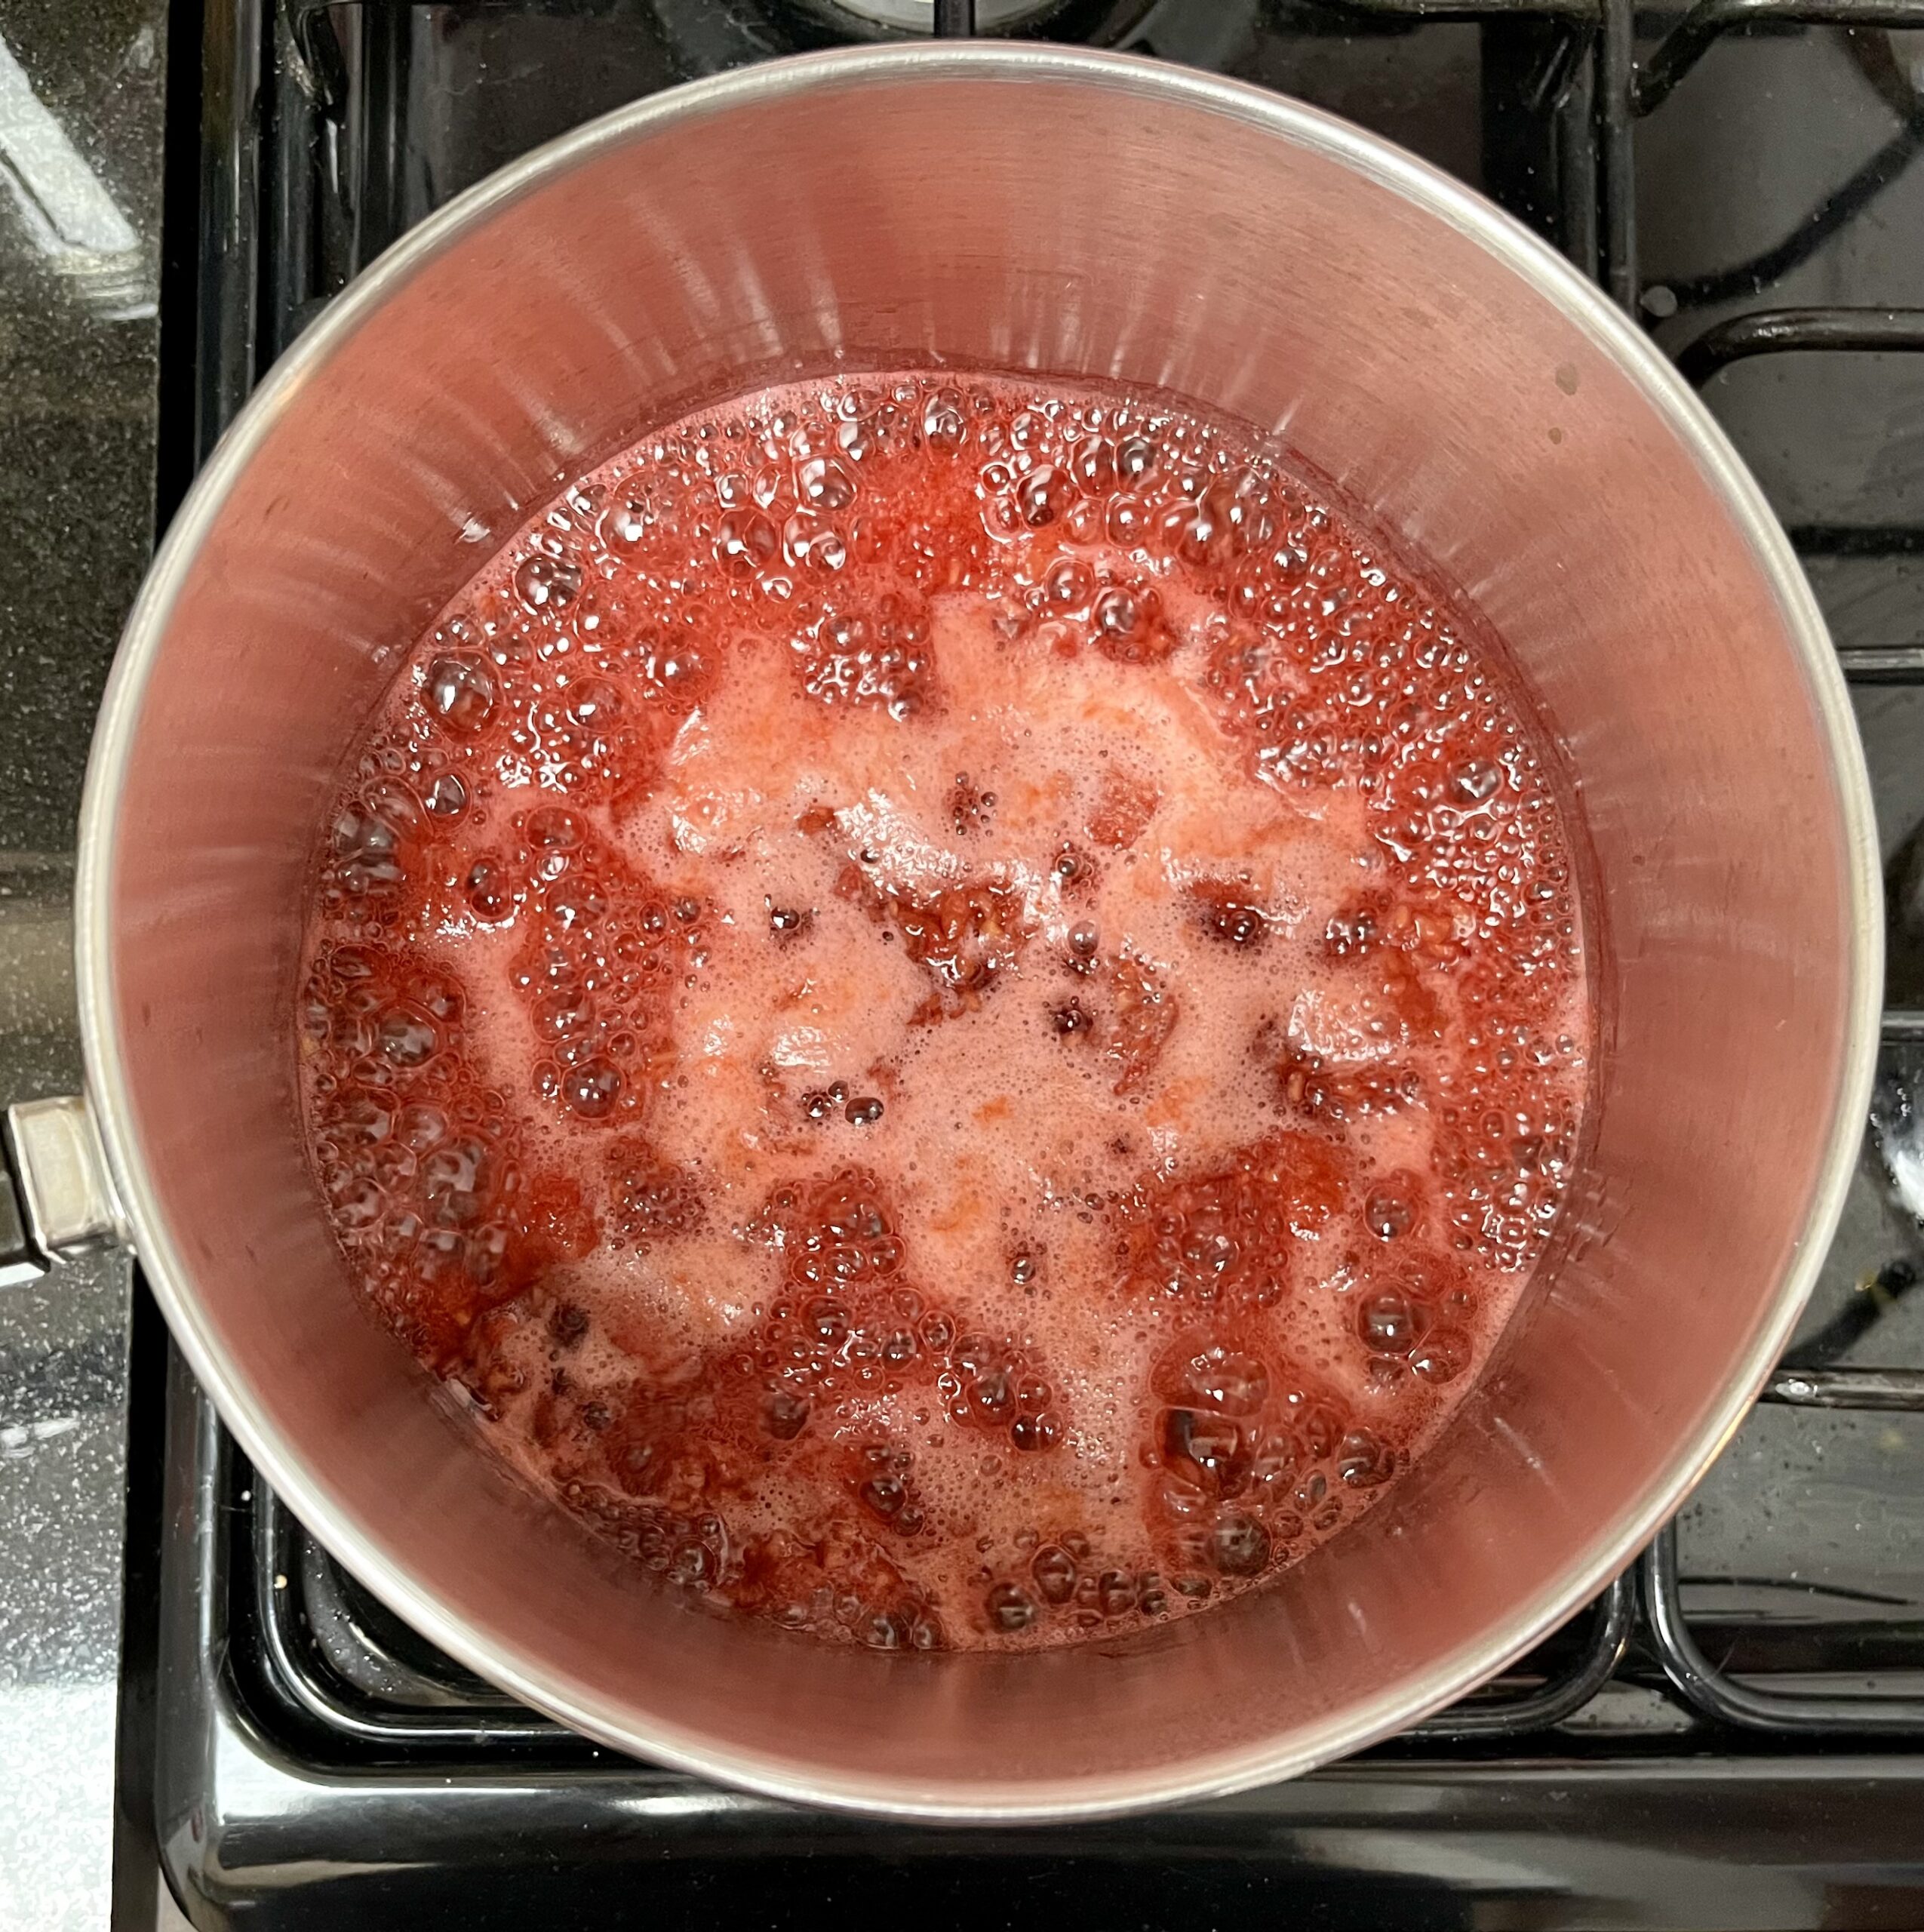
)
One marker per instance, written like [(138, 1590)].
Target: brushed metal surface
[(1035, 209)]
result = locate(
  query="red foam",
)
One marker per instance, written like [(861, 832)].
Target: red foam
[(958, 1010)]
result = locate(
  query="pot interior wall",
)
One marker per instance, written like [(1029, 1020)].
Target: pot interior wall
[(1087, 218)]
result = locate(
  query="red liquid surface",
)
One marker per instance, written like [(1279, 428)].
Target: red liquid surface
[(957, 1009)]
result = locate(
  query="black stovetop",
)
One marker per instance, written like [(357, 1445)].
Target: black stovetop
[(1734, 1734)]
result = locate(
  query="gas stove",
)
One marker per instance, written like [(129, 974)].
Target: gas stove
[(1733, 1734)]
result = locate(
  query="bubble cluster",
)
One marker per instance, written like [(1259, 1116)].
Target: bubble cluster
[(967, 936), (1251, 1463), (956, 1008), (429, 1178), (1228, 1236)]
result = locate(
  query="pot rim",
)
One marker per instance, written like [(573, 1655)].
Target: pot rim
[(307, 1492)]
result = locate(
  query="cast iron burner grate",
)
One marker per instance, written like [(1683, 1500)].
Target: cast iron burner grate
[(321, 1764)]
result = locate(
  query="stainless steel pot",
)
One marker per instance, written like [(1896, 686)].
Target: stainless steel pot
[(1068, 213)]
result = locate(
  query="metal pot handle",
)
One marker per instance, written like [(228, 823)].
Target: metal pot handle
[(57, 1199)]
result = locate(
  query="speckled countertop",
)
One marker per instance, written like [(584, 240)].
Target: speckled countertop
[(80, 159)]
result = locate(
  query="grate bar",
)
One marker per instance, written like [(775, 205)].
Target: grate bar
[(1709, 20), (1830, 217), (1886, 1390), (1701, 1683), (297, 1673), (1581, 12), (1828, 330), (465, 1723), (1614, 73), (1799, 331), (1857, 540), (1613, 1616), (1888, 664)]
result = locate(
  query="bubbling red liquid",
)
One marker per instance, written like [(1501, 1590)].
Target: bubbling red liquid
[(954, 1007)]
